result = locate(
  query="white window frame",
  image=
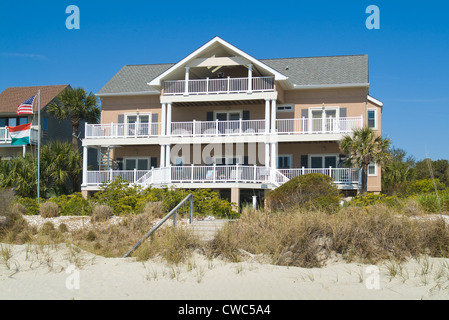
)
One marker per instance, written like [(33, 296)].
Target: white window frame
[(375, 169), (137, 160), (285, 108), (324, 155), (240, 112), (138, 115), (375, 118), (337, 108)]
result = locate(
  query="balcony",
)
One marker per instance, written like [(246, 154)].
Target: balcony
[(217, 176), (219, 86), (5, 138), (303, 126)]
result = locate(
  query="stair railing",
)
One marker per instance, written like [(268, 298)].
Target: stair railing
[(173, 214)]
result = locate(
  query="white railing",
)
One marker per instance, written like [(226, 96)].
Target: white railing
[(98, 178), (237, 174), (224, 128), (339, 175), (218, 128), (215, 86), (318, 125), (5, 137), (134, 130)]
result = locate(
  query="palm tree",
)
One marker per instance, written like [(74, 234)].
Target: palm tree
[(61, 165), (363, 148), (76, 105)]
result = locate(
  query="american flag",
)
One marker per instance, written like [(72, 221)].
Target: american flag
[(26, 107)]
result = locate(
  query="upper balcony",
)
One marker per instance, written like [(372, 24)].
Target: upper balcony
[(218, 86), (5, 138), (286, 129)]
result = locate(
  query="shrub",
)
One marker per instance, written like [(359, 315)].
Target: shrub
[(424, 186), (154, 210), (47, 228), (31, 205), (370, 199), (101, 213), (49, 210), (73, 205), (431, 203), (308, 191)]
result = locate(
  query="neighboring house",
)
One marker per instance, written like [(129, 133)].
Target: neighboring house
[(224, 120), (51, 128)]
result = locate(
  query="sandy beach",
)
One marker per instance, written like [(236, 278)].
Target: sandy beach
[(59, 273)]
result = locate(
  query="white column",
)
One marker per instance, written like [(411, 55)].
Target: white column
[(186, 90), (164, 120), (24, 150), (85, 159), (169, 118), (250, 78), (267, 116), (274, 155), (273, 115), (162, 160), (267, 155), (168, 156)]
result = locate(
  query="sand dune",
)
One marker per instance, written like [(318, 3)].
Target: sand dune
[(61, 273)]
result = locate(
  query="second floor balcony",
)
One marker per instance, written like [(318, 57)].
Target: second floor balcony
[(219, 86), (301, 126), (5, 138)]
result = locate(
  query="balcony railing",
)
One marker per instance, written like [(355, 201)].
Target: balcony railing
[(5, 137), (179, 175), (219, 86), (225, 128)]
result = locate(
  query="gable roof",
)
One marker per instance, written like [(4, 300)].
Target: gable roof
[(294, 73), (12, 97), (217, 41)]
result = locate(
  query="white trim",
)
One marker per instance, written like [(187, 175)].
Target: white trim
[(240, 112), (375, 169), (375, 101), (375, 118), (336, 108), (186, 60)]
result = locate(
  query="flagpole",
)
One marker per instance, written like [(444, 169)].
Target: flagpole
[(39, 148)]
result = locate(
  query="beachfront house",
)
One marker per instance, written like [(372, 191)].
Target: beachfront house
[(51, 128), (224, 120)]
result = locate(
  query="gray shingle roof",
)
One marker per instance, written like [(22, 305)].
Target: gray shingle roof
[(312, 71), (323, 70)]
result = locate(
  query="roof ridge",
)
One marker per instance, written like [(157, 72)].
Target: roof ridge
[(315, 57)]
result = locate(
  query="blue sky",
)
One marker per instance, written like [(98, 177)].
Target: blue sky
[(409, 68)]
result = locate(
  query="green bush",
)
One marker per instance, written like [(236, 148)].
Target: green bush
[(125, 199), (73, 205), (31, 205), (371, 199), (431, 203), (311, 191), (423, 186)]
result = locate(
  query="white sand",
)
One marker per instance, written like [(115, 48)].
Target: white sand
[(41, 273)]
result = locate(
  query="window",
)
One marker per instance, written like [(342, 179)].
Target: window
[(284, 162), (372, 115), (228, 115), (316, 115), (285, 108), (13, 122), (372, 169), (323, 161), (137, 163)]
